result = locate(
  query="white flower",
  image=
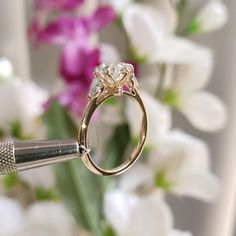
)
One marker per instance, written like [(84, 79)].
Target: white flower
[(180, 164), (212, 16), (21, 101), (11, 217), (159, 118), (150, 30), (127, 213), (47, 219), (204, 110), (133, 215), (6, 69), (184, 162), (141, 178), (42, 177)]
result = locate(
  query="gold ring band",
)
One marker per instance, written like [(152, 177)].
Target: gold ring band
[(112, 80)]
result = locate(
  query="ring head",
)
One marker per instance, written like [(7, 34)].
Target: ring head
[(111, 78)]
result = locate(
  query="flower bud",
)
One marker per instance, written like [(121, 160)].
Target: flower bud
[(211, 17)]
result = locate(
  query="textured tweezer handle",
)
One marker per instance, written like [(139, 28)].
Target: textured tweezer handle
[(7, 158), (20, 155)]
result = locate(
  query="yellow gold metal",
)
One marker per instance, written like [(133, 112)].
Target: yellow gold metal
[(111, 87)]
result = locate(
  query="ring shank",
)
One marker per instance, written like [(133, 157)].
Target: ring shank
[(83, 136)]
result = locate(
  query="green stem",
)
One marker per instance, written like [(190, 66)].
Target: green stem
[(160, 85), (181, 9)]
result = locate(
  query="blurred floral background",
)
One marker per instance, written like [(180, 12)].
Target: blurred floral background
[(183, 53)]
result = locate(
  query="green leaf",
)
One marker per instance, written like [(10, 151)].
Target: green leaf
[(162, 181), (1, 133), (108, 231), (112, 101), (82, 192), (79, 188), (171, 98), (10, 181), (43, 194), (119, 22), (134, 56), (59, 123), (16, 129), (194, 27), (116, 146)]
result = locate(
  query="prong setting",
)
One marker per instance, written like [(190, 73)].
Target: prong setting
[(110, 79)]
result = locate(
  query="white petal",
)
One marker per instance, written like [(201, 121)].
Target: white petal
[(196, 74), (139, 178), (120, 5), (168, 12), (117, 206), (200, 184), (21, 101), (177, 50), (127, 213), (43, 177), (48, 219), (177, 152), (180, 233), (159, 118), (6, 69), (11, 217), (143, 23), (150, 216), (212, 16), (109, 53), (204, 110)]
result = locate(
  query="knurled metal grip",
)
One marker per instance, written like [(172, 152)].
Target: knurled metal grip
[(7, 158), (22, 155)]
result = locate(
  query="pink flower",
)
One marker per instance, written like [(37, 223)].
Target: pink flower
[(77, 63), (57, 5), (76, 67), (74, 98), (78, 56), (70, 28)]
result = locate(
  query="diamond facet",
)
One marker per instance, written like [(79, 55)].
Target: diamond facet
[(95, 88), (117, 72), (111, 78)]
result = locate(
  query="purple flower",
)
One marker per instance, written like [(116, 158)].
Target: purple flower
[(78, 56), (74, 98), (77, 63), (57, 5), (76, 67), (101, 18), (70, 28)]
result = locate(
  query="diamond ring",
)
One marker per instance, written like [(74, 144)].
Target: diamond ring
[(112, 80)]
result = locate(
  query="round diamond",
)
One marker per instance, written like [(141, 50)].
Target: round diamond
[(111, 77), (117, 72), (101, 71)]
